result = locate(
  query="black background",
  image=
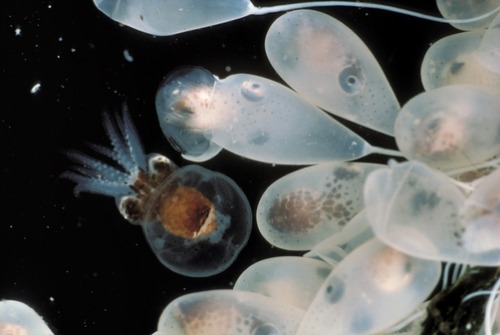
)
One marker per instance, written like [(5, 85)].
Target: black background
[(75, 260)]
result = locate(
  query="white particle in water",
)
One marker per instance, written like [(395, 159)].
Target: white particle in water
[(36, 88), (128, 57)]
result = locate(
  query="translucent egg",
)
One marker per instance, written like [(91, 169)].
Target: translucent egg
[(227, 312), (410, 325), (253, 117), (195, 220), (17, 318), (451, 61), (336, 247), (169, 17), (454, 60), (488, 53), (422, 212), (330, 66), (450, 127), (481, 215), (307, 206), (291, 280), (373, 288), (465, 9)]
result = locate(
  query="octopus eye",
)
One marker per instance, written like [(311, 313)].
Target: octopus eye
[(131, 209), (252, 90), (159, 167)]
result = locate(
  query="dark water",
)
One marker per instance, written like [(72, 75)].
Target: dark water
[(76, 261)]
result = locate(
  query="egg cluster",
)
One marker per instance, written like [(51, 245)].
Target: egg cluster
[(377, 236)]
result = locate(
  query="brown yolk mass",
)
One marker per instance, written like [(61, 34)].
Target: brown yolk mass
[(187, 213)]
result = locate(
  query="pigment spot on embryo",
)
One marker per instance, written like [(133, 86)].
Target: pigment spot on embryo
[(307, 206)]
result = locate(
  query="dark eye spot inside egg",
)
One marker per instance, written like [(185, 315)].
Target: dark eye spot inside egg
[(335, 290), (351, 79)]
